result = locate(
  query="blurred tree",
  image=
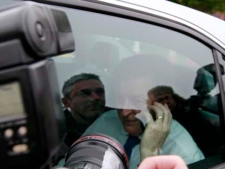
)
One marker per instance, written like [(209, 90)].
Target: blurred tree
[(208, 6)]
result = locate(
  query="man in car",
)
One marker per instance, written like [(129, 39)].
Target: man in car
[(160, 136), (143, 131), (84, 100), (166, 95)]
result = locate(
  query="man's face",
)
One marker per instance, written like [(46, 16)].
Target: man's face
[(131, 124), (132, 100), (166, 98), (87, 100)]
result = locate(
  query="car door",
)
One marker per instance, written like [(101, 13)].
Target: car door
[(143, 57), (169, 58)]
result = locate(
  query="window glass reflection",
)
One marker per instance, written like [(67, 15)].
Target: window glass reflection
[(150, 75)]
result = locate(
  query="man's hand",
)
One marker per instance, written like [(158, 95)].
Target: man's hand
[(156, 131)]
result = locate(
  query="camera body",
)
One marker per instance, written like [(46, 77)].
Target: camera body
[(31, 119)]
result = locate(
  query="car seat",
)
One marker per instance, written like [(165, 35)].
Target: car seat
[(202, 123), (105, 56)]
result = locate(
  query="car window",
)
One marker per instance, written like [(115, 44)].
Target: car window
[(126, 75), (139, 64)]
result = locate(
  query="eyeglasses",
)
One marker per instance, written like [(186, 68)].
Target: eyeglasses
[(88, 92)]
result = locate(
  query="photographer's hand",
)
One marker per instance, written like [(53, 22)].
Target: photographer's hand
[(156, 131), (163, 162)]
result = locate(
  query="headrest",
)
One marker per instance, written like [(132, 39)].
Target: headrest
[(204, 81), (105, 55)]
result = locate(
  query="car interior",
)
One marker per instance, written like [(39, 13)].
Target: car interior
[(161, 56), (100, 50)]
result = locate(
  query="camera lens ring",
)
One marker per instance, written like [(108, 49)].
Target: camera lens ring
[(100, 141)]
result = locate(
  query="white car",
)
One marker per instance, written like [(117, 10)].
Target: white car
[(154, 51)]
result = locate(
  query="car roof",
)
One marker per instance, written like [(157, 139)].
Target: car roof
[(207, 24)]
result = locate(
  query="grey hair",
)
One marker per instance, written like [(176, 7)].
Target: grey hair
[(68, 85)]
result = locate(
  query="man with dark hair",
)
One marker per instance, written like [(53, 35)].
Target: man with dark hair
[(166, 95), (84, 100)]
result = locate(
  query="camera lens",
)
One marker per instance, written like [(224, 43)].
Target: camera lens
[(96, 151)]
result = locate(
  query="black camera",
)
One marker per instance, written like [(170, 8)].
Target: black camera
[(31, 118)]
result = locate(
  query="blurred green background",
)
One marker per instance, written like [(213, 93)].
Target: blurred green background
[(213, 7)]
